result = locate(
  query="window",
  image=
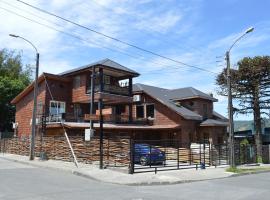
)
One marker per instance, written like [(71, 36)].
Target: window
[(140, 111), (119, 109), (76, 82), (57, 107), (106, 79), (150, 111)]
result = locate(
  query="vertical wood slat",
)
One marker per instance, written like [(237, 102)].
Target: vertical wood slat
[(116, 150)]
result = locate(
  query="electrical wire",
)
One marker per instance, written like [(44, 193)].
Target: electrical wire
[(113, 38), (80, 38)]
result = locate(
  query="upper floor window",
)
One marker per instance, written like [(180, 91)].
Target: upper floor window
[(150, 110), (76, 81), (140, 111), (57, 107), (106, 79), (145, 111)]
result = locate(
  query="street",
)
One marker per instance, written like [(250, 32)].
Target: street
[(19, 181)]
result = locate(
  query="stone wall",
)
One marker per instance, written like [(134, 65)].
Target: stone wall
[(115, 150)]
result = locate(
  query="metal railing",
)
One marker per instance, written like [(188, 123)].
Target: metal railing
[(162, 155)]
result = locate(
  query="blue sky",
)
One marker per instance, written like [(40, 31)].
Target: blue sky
[(197, 32)]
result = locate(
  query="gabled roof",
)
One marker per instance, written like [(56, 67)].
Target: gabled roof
[(168, 98), (105, 62), (164, 96), (190, 93)]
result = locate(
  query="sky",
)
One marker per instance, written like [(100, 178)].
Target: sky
[(196, 32)]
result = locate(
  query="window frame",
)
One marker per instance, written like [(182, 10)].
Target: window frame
[(154, 112), (143, 109), (58, 107)]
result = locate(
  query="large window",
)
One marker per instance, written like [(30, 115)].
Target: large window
[(145, 111), (140, 111), (150, 111), (57, 107)]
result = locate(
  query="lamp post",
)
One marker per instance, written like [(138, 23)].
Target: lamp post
[(230, 105), (33, 133)]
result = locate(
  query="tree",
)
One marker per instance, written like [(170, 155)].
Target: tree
[(14, 77), (251, 89)]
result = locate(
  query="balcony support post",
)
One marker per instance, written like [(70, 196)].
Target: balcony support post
[(92, 99), (130, 94), (101, 84)]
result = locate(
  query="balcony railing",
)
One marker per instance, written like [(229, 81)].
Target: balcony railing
[(111, 89)]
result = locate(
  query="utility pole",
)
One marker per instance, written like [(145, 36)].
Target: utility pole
[(34, 114), (100, 107), (230, 112), (230, 105)]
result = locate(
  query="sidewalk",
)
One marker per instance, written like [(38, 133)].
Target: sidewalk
[(116, 177)]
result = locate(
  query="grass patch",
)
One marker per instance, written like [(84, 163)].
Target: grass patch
[(246, 170)]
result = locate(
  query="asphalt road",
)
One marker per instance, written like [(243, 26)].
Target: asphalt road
[(23, 182)]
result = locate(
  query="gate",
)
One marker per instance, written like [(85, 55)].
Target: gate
[(162, 155)]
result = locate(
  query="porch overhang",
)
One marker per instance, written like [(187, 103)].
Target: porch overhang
[(107, 126)]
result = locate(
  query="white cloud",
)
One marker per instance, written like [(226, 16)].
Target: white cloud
[(161, 23)]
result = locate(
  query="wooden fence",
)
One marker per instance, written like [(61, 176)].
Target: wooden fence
[(115, 150)]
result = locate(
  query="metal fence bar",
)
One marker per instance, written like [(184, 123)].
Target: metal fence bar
[(178, 154)]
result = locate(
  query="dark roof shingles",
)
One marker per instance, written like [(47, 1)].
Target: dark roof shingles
[(105, 62)]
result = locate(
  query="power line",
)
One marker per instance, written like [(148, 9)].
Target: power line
[(80, 38), (37, 16), (63, 32), (115, 39), (152, 34)]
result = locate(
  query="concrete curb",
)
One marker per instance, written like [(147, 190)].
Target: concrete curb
[(250, 173), (81, 174)]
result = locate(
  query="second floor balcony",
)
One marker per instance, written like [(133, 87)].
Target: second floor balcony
[(111, 89)]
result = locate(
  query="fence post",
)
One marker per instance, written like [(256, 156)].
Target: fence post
[(204, 153), (209, 153), (131, 167), (150, 163), (178, 154), (200, 154), (190, 155), (219, 152)]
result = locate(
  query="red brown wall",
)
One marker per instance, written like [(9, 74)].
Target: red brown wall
[(59, 91), (24, 109), (163, 114), (197, 106), (79, 93)]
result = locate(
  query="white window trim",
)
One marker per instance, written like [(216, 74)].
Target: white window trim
[(58, 103)]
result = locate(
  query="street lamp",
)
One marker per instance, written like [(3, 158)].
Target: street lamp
[(230, 105), (33, 133)]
